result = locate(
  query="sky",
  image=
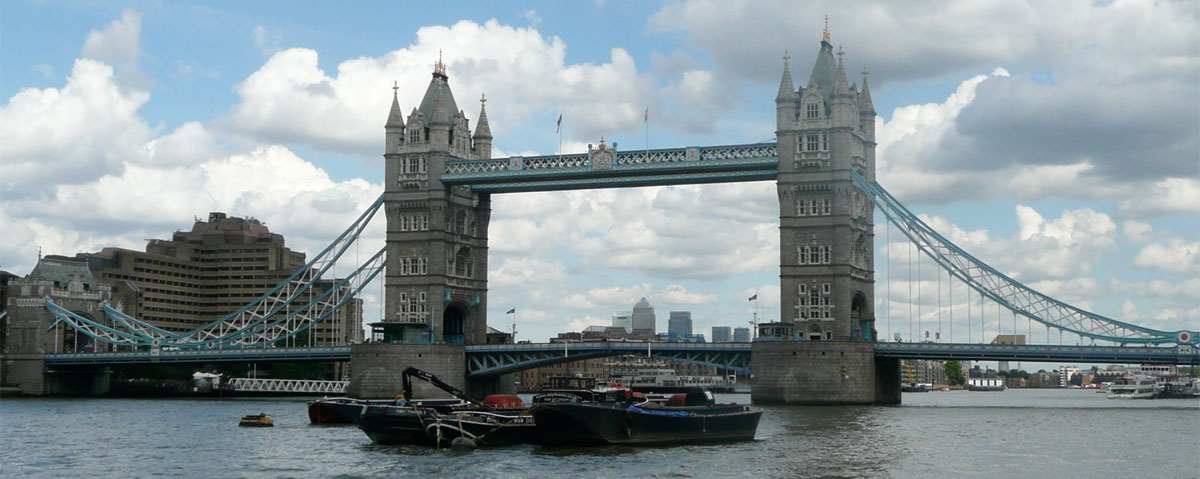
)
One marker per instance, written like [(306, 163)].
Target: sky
[(1057, 141)]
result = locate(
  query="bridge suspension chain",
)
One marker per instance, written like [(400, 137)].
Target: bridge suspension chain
[(1006, 291)]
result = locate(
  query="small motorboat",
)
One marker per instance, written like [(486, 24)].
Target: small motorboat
[(256, 420)]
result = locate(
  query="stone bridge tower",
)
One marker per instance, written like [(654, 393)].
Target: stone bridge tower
[(436, 281), (825, 130), (31, 330)]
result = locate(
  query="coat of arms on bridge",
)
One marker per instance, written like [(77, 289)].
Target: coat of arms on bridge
[(602, 157)]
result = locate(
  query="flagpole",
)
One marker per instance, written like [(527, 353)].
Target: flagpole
[(646, 120)]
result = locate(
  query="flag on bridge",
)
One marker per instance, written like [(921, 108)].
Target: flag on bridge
[(512, 311), (752, 298), (558, 125)]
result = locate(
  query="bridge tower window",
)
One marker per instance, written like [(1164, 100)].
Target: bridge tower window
[(811, 111), (813, 142)]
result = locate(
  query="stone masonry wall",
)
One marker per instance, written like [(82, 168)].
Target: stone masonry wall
[(376, 369), (813, 372)]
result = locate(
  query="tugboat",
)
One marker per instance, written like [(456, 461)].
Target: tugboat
[(699, 420), (256, 420)]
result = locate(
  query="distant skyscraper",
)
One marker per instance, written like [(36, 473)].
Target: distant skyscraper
[(720, 334), (623, 319), (680, 323), (741, 334), (643, 317)]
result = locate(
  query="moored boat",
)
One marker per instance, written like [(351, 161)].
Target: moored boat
[(256, 420), (345, 410), (587, 424), (985, 384), (338, 410), (584, 424), (1137, 386)]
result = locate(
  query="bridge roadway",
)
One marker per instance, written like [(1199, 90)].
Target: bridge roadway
[(496, 359)]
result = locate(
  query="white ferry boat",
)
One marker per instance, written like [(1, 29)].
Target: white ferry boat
[(667, 381), (1137, 386)]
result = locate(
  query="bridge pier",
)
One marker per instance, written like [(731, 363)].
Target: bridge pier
[(822, 373), (375, 368), (375, 371)]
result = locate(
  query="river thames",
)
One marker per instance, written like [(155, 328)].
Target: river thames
[(1015, 433)]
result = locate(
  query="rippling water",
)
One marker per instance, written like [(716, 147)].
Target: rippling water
[(1057, 434)]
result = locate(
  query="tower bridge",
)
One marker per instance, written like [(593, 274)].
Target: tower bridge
[(438, 180)]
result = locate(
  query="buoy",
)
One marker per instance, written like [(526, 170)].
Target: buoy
[(462, 444)]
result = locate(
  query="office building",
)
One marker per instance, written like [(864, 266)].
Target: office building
[(202, 275), (680, 323), (643, 318), (721, 334), (623, 319)]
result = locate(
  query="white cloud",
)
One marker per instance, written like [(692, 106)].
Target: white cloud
[(675, 294), (1046, 130), (528, 272), (1065, 247), (118, 43), (1174, 254), (291, 99), (609, 298), (579, 324), (76, 134), (1170, 195), (46, 71), (1136, 231), (267, 41), (533, 17)]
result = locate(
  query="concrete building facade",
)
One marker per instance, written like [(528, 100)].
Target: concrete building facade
[(212, 270)]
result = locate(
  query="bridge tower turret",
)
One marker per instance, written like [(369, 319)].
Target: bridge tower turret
[(436, 280), (483, 133), (826, 226)]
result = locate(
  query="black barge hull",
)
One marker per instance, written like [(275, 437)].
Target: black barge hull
[(600, 424)]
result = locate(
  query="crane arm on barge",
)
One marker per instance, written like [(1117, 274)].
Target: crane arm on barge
[(438, 383)]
